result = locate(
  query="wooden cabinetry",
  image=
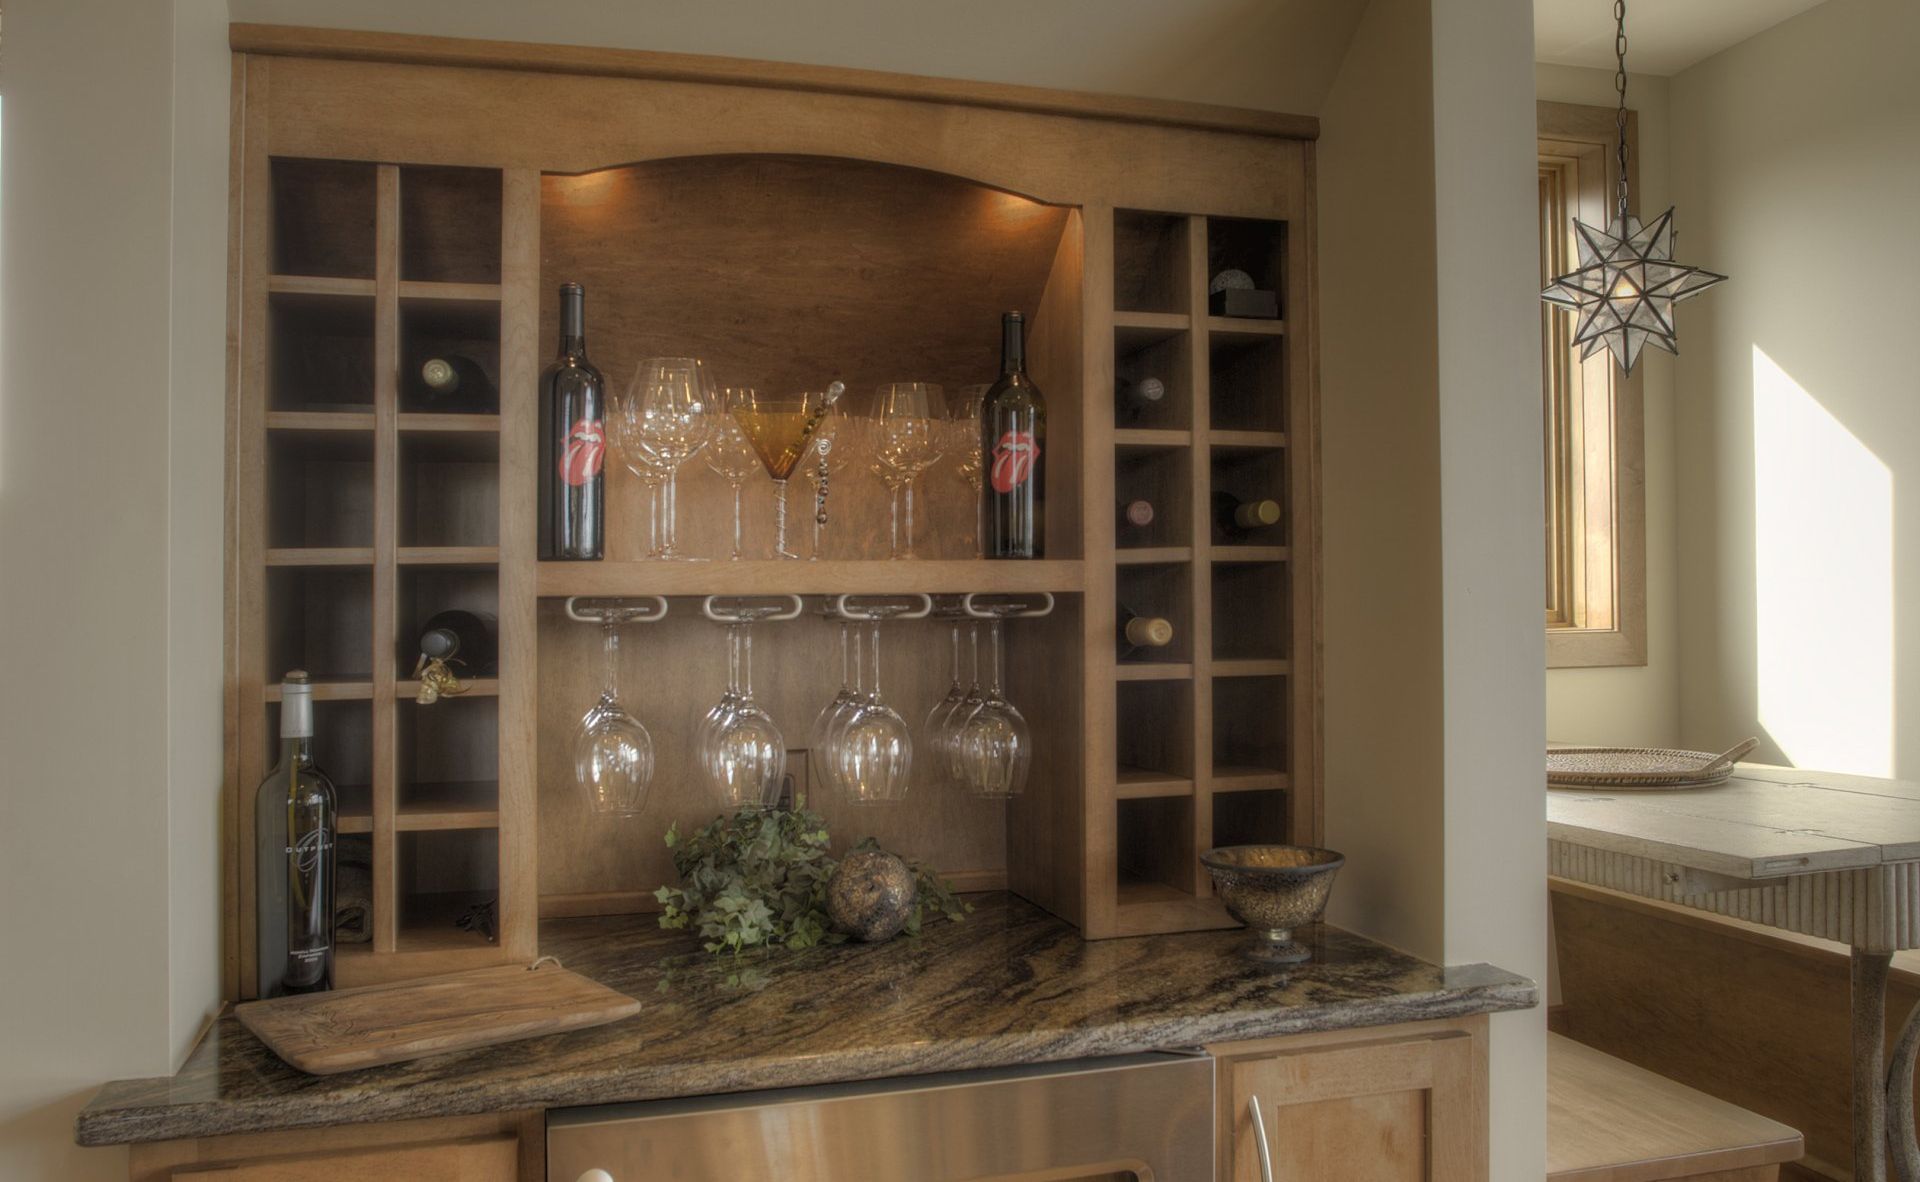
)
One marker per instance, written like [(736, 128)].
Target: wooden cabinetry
[(396, 196), (1399, 1104), (504, 1148)]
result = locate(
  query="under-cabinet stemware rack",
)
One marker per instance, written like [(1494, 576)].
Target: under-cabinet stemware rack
[(735, 609)]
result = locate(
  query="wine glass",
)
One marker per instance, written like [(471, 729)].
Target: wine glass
[(826, 725), (907, 441), (969, 449), (938, 730), (612, 752), (664, 415), (995, 746), (872, 749), (780, 428), (729, 453), (642, 464), (742, 751)]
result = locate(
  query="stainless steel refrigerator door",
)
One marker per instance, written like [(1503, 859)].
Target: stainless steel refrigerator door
[(1149, 1117)]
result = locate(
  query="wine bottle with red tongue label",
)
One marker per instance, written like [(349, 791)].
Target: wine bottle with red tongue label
[(573, 441), (1014, 436)]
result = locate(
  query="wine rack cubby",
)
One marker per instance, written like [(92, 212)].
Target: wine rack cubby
[(837, 235), (1207, 726), (368, 509)]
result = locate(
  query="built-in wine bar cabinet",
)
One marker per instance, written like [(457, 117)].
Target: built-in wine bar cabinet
[(391, 210)]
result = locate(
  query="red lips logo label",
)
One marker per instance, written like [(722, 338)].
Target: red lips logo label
[(586, 447), (1013, 460)]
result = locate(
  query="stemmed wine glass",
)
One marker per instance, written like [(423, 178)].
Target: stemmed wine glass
[(907, 441), (826, 724), (663, 416), (780, 428), (942, 720), (742, 750), (613, 755), (994, 745), (868, 744), (729, 453), (969, 449)]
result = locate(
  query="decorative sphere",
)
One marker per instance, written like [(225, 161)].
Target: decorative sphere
[(1231, 281), (870, 895)]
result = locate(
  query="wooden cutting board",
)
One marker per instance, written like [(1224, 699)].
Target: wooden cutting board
[(326, 1033)]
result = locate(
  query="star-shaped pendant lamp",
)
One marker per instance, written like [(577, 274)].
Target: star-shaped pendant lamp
[(1628, 282)]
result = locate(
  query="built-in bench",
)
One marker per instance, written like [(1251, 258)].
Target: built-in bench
[(1609, 1121)]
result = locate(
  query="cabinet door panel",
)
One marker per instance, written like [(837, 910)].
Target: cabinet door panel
[(483, 1159)]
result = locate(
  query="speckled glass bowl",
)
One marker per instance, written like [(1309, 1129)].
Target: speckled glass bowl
[(1273, 889)]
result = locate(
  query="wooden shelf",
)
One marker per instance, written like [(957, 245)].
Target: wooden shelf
[(454, 804), (420, 289), (1231, 554), (1153, 671), (1149, 437), (427, 921), (320, 556), (1244, 328), (448, 556), (1148, 555), (1141, 328), (1248, 779), (319, 285), (327, 691), (407, 421), (1250, 668), (475, 687), (772, 577), (1247, 439), (319, 420), (1136, 783)]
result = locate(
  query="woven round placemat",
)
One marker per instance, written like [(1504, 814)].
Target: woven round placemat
[(1641, 767)]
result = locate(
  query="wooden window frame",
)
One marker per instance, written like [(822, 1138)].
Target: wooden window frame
[(1593, 421)]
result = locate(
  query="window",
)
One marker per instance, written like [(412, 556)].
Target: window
[(1594, 475)]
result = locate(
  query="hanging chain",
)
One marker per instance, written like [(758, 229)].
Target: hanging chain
[(1620, 116)]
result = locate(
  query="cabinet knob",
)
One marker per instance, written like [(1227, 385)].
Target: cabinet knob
[(595, 1176), (1259, 1141)]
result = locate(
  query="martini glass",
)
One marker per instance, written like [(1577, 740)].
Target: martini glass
[(729, 454), (780, 429)]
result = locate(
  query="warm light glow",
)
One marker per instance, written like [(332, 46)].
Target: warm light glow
[(1823, 582)]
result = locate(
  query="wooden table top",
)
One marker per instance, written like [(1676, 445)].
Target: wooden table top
[(1765, 822)]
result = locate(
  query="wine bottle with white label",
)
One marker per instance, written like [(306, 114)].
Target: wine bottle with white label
[(1014, 437), (295, 826), (1235, 520), (573, 441), (1142, 632)]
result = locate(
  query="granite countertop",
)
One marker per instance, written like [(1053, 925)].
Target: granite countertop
[(1009, 985)]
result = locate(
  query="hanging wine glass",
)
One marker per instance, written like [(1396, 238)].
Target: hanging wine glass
[(995, 745), (780, 428), (871, 748), (968, 447), (939, 731), (907, 441), (826, 724), (744, 754), (664, 415), (956, 718), (613, 755), (729, 453)]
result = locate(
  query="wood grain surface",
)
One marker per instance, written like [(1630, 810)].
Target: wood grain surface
[(327, 1033)]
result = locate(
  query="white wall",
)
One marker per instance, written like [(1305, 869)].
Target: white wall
[(1632, 705), (1431, 451), (111, 421), (1796, 168)]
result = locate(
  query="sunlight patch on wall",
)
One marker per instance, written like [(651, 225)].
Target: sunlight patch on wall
[(1823, 571)]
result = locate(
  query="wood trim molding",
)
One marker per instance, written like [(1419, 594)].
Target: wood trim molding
[(354, 45)]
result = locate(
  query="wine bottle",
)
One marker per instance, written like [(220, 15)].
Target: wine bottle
[(572, 441), (1135, 515), (295, 825), (1138, 632), (1234, 518), (458, 638), (452, 382), (1135, 400), (1013, 438)]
